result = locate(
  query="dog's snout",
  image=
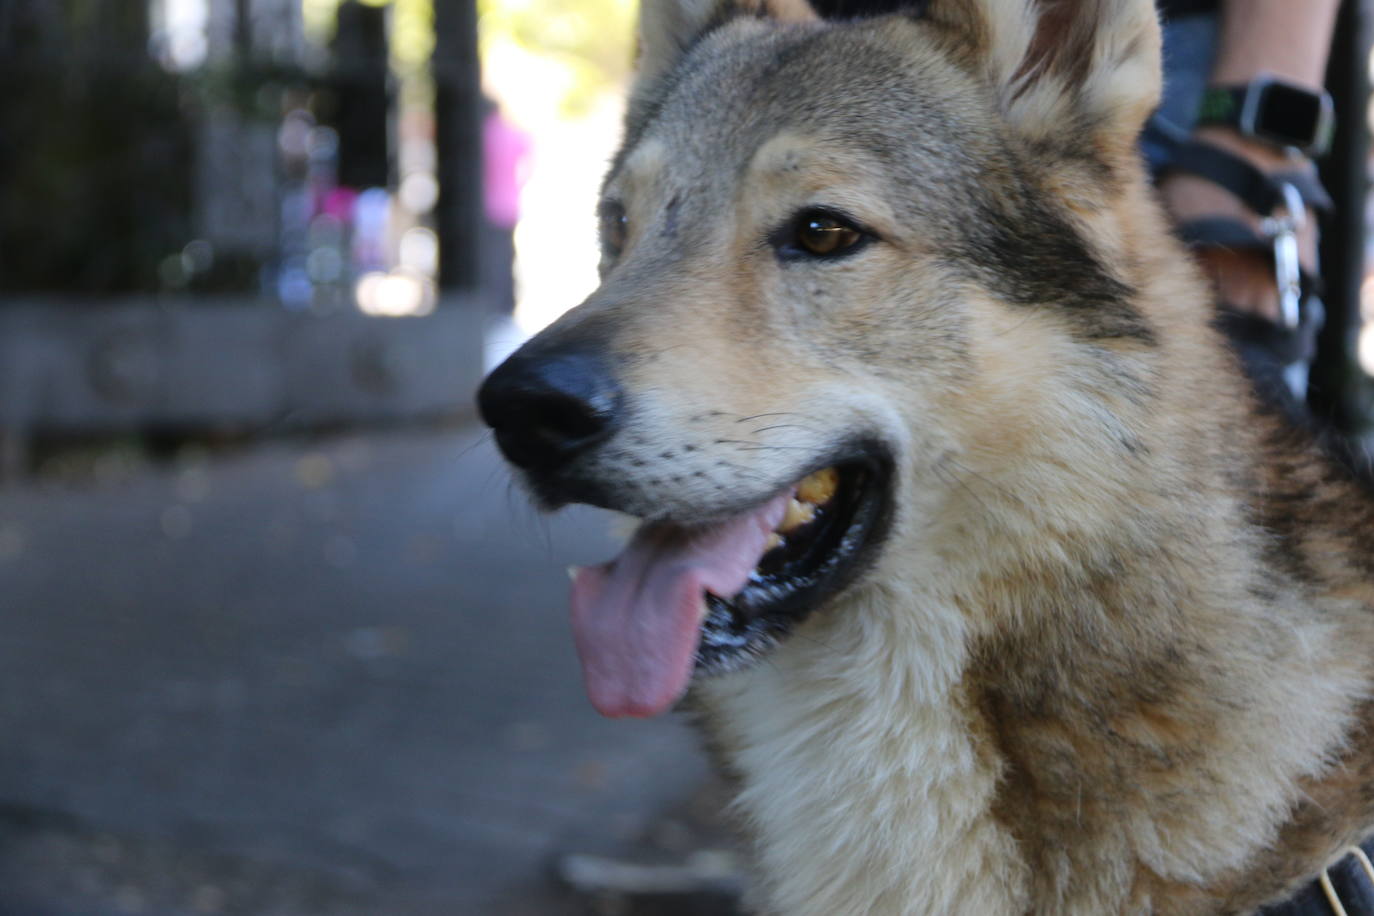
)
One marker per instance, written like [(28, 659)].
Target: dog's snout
[(546, 407)]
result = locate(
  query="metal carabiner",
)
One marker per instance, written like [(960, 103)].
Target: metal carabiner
[(1283, 233)]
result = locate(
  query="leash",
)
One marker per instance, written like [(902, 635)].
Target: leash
[(1281, 200), (1281, 350), (1343, 889)]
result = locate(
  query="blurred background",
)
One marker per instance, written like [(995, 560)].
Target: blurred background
[(277, 634)]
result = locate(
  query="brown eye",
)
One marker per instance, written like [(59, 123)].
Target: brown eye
[(614, 228), (823, 235), (820, 233)]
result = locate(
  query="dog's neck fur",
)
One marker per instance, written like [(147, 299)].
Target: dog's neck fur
[(936, 771), (898, 807), (961, 741)]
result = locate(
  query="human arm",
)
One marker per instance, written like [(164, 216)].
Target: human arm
[(1285, 39)]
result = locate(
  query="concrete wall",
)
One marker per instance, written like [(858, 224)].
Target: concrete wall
[(120, 365)]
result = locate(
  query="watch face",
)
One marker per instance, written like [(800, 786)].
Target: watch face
[(1288, 114)]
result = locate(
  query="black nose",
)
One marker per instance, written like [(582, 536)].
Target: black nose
[(546, 406)]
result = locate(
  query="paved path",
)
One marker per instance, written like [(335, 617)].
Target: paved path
[(345, 664)]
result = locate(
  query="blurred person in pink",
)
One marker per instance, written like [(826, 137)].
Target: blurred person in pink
[(505, 158)]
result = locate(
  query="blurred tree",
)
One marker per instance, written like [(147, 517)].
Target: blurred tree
[(94, 149), (588, 38), (458, 144), (412, 28), (361, 105)]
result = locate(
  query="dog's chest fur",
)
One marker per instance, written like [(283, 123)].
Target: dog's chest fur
[(895, 811), (891, 761)]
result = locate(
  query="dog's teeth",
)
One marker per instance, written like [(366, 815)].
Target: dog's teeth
[(819, 487), (774, 540), (797, 514)]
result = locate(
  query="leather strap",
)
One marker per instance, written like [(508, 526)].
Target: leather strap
[(1221, 232), (1284, 346), (1225, 232), (1260, 192), (1350, 882)]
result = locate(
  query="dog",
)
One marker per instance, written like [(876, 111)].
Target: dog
[(962, 535)]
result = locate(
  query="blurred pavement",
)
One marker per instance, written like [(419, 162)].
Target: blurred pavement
[(306, 678)]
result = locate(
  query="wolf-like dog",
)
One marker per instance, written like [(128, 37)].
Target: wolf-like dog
[(963, 535)]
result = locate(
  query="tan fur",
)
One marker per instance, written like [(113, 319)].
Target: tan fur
[(1115, 655)]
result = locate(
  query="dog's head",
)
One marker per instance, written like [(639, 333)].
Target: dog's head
[(842, 260)]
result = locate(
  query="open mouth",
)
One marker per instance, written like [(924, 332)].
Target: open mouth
[(708, 598), (815, 551)]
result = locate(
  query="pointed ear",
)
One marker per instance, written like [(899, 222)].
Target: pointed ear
[(667, 28), (1065, 67)]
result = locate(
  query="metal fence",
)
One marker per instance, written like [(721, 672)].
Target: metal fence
[(202, 197)]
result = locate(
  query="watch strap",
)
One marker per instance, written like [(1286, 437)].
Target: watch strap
[(1251, 110), (1222, 105)]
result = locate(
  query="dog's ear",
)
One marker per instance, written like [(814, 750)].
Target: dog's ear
[(667, 28), (1067, 67)]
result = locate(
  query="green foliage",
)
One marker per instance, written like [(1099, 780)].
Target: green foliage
[(592, 39)]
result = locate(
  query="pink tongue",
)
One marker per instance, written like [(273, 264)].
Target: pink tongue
[(637, 619)]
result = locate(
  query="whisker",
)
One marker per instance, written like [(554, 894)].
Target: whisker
[(945, 474), (543, 520), (814, 641), (499, 471), (1014, 328), (759, 416), (745, 445), (757, 448), (481, 440), (993, 485), (747, 472), (512, 491), (765, 429)]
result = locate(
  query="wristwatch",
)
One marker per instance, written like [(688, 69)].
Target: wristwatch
[(1273, 110)]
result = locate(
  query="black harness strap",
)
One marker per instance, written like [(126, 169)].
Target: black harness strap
[(1260, 192), (1225, 232), (1350, 883)]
